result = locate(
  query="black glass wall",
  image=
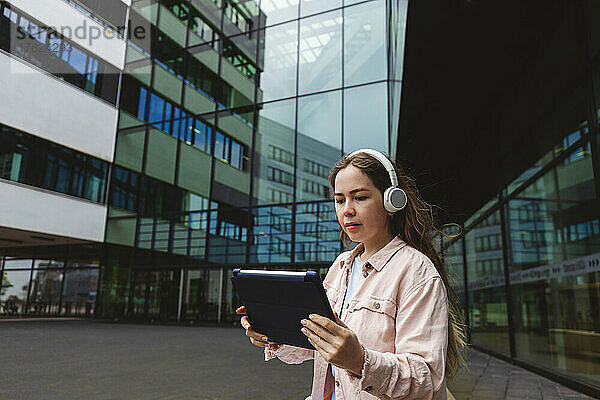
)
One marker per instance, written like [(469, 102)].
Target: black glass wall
[(532, 260)]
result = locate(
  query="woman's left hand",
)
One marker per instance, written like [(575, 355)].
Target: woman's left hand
[(335, 342)]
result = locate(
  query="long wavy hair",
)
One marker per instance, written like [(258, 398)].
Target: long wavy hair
[(415, 225)]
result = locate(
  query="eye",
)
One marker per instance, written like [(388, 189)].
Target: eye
[(339, 201), (360, 198)]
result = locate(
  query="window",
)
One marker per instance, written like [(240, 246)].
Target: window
[(175, 121), (202, 136), (281, 176), (237, 17), (309, 186), (281, 155), (34, 161), (315, 168), (278, 196), (48, 50)]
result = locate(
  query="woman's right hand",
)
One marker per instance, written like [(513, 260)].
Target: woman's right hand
[(256, 338)]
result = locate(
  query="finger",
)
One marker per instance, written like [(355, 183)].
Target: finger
[(258, 343), (317, 340), (257, 336), (241, 310), (318, 330), (317, 343), (326, 323), (245, 323)]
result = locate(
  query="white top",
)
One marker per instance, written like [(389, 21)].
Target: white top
[(353, 284)]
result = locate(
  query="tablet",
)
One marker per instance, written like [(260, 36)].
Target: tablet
[(276, 301)]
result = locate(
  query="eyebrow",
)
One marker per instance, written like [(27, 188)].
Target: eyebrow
[(360, 189)]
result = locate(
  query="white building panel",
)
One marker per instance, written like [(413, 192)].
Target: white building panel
[(58, 13), (27, 208), (45, 106)]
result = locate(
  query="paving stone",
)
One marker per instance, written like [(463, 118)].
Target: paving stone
[(99, 361), (488, 378)]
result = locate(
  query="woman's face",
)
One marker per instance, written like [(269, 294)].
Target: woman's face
[(359, 207)]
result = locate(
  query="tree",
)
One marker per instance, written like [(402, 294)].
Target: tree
[(5, 284)]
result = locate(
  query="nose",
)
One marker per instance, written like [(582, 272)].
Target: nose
[(348, 208)]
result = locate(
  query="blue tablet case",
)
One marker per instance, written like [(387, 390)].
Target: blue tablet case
[(276, 301)]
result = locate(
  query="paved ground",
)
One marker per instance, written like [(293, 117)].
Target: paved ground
[(103, 361), (492, 379), (91, 360)]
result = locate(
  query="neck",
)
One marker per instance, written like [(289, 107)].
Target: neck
[(375, 245)]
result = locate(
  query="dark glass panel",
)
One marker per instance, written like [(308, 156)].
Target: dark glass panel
[(44, 295), (453, 258), (486, 284), (202, 294), (554, 285)]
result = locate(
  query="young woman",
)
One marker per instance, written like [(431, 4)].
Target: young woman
[(398, 334)]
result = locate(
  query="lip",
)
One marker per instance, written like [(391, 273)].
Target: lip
[(352, 225)]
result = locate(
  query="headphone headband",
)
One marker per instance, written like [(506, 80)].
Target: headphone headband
[(394, 198), (383, 160)]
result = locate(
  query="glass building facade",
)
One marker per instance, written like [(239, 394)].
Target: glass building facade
[(230, 115)]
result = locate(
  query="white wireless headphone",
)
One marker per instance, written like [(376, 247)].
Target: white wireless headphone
[(394, 198)]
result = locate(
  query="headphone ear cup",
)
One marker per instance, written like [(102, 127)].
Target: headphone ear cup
[(394, 199)]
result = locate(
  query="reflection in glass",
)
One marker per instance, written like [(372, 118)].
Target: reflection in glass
[(279, 10), (79, 291), (319, 144), (317, 232), (578, 195), (487, 206), (308, 7), (202, 294), (532, 216), (364, 43), (272, 230), (453, 257), (278, 79), (365, 118), (555, 309), (44, 296), (16, 263), (13, 293), (274, 157), (320, 52), (487, 296), (115, 289)]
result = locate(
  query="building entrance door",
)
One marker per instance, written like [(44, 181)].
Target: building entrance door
[(155, 295)]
